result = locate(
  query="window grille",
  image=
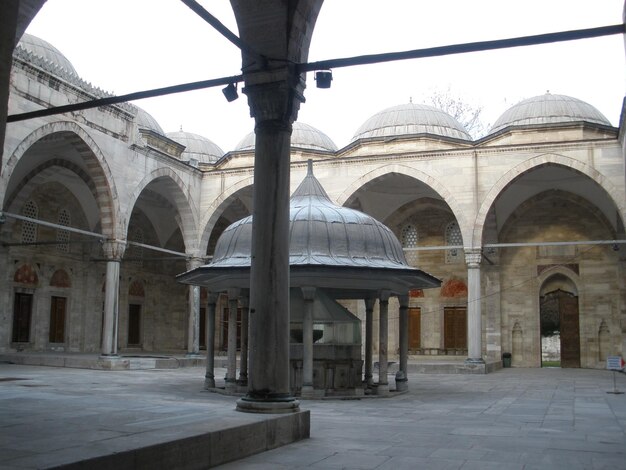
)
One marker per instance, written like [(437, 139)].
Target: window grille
[(29, 229)]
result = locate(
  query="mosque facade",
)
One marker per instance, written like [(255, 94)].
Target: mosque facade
[(102, 209)]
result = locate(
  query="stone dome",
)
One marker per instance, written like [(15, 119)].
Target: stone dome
[(320, 234), (146, 121), (549, 109), (197, 147), (410, 119), (303, 136), (46, 51)]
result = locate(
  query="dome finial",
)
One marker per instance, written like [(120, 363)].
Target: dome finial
[(309, 167), (181, 128)]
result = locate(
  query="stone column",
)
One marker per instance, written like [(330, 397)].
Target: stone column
[(243, 361), (307, 342), (113, 252), (383, 339), (402, 376), (369, 336), (231, 368), (193, 319), (274, 106), (474, 320), (209, 376)]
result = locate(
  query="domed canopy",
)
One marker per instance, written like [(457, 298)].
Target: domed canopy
[(47, 51), (410, 119), (146, 121), (197, 147), (329, 246), (303, 136), (549, 109)]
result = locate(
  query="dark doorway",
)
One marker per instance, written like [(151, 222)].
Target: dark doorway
[(202, 327), (57, 319), (559, 321), (22, 308), (455, 328), (415, 329), (134, 325)]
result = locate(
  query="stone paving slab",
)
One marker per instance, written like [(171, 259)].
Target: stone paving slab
[(510, 419)]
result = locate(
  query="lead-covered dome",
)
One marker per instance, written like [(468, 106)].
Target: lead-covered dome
[(549, 109), (320, 234), (303, 136), (197, 147), (411, 119), (146, 121), (46, 51)]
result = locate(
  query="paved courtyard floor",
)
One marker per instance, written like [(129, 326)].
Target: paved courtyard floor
[(510, 419)]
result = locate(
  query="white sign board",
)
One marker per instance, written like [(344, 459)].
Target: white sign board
[(614, 363)]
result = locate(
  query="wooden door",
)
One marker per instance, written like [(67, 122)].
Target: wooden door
[(570, 330), (455, 328), (57, 320), (415, 328), (134, 325), (22, 308)]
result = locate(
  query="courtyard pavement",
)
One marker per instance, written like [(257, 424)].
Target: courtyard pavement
[(509, 419)]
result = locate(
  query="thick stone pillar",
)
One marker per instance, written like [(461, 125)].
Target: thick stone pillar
[(113, 252), (193, 319), (383, 340), (402, 376), (231, 367), (369, 336), (474, 320), (243, 361), (209, 376), (274, 106), (307, 342)]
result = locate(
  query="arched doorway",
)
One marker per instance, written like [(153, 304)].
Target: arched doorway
[(559, 323)]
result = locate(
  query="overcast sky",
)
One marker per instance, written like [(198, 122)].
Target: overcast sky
[(123, 46)]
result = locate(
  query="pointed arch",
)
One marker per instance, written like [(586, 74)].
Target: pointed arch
[(616, 195), (99, 174), (425, 178)]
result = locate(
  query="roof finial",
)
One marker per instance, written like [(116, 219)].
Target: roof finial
[(309, 167), (410, 99), (181, 128)]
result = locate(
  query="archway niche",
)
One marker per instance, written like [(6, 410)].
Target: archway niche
[(559, 323)]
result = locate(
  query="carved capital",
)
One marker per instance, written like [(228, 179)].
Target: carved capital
[(114, 249), (473, 257), (277, 100), (194, 262)]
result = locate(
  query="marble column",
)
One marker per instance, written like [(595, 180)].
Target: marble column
[(113, 252), (474, 319), (307, 342), (243, 361), (274, 107), (383, 340), (231, 367), (402, 376), (369, 336), (193, 318), (209, 376)]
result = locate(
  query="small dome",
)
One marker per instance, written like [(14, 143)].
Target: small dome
[(303, 136), (47, 51), (197, 147), (320, 234), (146, 121), (410, 119), (549, 109)]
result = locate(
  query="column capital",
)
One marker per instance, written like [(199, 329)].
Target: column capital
[(383, 295), (114, 249), (473, 257), (194, 262), (403, 300), (275, 96), (308, 293)]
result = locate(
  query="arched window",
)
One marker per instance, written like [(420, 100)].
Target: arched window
[(134, 252), (63, 236), (409, 239), (453, 237), (29, 229)]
